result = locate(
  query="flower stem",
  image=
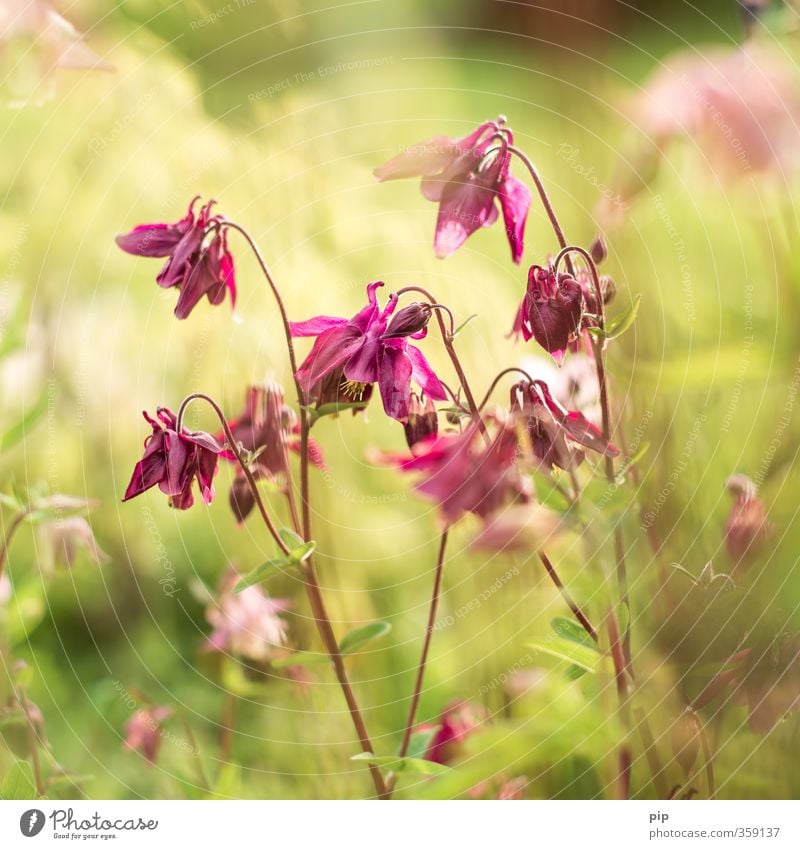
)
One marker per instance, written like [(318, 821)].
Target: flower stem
[(313, 589), (709, 761), (617, 656), (576, 611), (18, 519), (437, 588)]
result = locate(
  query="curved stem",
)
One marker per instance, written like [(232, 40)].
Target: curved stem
[(576, 611), (234, 446), (437, 588), (498, 378), (18, 519), (548, 207), (312, 585)]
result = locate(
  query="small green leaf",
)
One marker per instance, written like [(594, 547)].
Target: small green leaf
[(299, 549), (263, 572), (18, 782), (335, 408), (574, 672), (462, 326), (572, 631), (358, 637), (418, 765), (419, 742), (290, 538), (624, 321), (565, 650)]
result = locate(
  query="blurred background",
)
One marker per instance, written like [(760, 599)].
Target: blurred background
[(281, 110)]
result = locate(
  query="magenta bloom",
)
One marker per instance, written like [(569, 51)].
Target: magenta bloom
[(144, 732), (173, 460), (368, 349), (457, 722), (556, 435), (198, 260), (551, 311), (465, 177), (465, 475), (747, 528)]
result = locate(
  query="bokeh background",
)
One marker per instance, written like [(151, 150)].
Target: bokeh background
[(281, 110)]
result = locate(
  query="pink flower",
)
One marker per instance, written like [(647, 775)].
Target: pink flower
[(267, 429), (63, 539), (465, 176), (463, 474), (198, 260), (143, 731), (247, 624), (173, 460), (367, 349), (556, 435), (457, 722), (747, 528), (551, 311)]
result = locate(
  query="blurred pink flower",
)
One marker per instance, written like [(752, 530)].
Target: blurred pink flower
[(63, 539), (465, 176), (143, 730), (247, 624), (747, 528), (457, 722)]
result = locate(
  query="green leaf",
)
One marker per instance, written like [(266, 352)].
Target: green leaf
[(570, 630), (335, 408), (18, 782), (417, 765), (574, 672), (299, 549), (29, 418), (548, 494), (358, 637), (567, 651), (462, 326), (419, 742), (300, 658), (263, 572), (624, 321)]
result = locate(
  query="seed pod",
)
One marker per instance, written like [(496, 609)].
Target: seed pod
[(686, 737)]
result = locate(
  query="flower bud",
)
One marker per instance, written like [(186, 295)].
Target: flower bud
[(241, 498), (686, 737), (598, 249), (608, 289), (747, 527), (409, 320), (423, 420)]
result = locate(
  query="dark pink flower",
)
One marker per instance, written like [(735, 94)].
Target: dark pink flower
[(143, 731), (556, 435), (365, 350), (551, 311), (268, 429), (747, 528), (198, 260), (465, 176), (423, 421), (458, 721), (174, 460), (463, 474)]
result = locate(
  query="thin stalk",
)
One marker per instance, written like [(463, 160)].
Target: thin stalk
[(437, 588), (205, 784), (618, 658), (228, 727), (651, 753), (18, 519), (709, 762), (576, 611), (313, 589), (33, 745)]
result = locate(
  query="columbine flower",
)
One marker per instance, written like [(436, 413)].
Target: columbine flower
[(364, 350), (465, 475), (173, 460), (267, 429), (198, 260), (573, 385), (423, 421), (247, 624), (747, 528), (556, 435), (65, 537), (143, 730), (465, 176), (551, 311), (458, 721)]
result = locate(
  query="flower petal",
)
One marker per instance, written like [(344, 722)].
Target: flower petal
[(395, 382), (424, 375), (515, 201), (315, 326)]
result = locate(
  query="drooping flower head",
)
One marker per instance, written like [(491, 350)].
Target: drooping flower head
[(457, 722), (551, 310), (247, 624), (267, 429), (367, 349), (747, 528), (423, 421), (143, 731), (198, 260), (174, 460), (557, 436), (464, 474), (465, 177)]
